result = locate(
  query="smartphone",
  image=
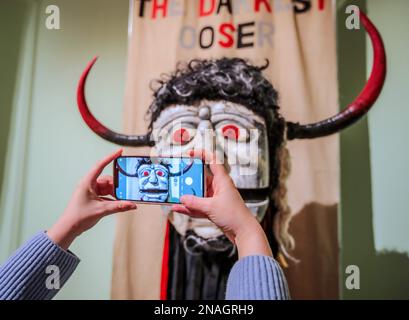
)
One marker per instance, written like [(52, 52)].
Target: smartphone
[(158, 180)]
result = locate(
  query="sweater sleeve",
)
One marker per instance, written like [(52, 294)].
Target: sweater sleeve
[(257, 278), (36, 271)]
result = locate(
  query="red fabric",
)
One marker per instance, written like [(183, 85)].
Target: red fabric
[(165, 266)]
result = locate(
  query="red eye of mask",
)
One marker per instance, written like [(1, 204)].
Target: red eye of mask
[(230, 132), (145, 173), (181, 136), (159, 173)]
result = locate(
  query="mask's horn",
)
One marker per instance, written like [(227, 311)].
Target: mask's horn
[(362, 103), (98, 127)]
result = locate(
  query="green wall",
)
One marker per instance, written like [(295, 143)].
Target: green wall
[(374, 211), (51, 148)]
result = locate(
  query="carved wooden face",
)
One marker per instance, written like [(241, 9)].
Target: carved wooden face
[(153, 182)]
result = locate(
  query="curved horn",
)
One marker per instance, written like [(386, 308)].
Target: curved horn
[(362, 103), (98, 127), (132, 175)]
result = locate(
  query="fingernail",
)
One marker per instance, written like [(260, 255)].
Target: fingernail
[(131, 205)]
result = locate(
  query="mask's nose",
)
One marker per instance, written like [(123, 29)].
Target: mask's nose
[(153, 179), (206, 135)]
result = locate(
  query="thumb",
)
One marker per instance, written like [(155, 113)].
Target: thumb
[(197, 204), (111, 207)]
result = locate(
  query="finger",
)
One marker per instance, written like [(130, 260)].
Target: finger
[(216, 167), (205, 155), (209, 186), (105, 179), (193, 203), (182, 209), (106, 199), (110, 207), (96, 171), (105, 186), (218, 170)]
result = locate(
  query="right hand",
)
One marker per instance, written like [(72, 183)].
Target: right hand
[(226, 209)]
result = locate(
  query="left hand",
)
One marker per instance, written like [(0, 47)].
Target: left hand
[(226, 209), (88, 205)]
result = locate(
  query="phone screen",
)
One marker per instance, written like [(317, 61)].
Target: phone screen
[(158, 179)]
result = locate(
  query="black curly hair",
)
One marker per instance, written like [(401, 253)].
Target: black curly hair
[(230, 79)]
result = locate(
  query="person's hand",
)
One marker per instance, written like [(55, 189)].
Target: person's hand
[(88, 205), (226, 209)]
